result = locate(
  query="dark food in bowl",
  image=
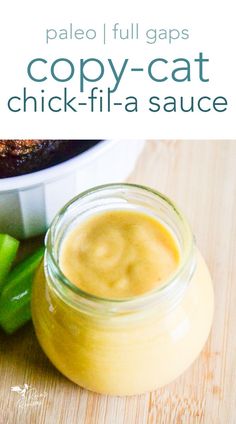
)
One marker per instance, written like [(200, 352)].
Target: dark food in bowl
[(19, 157)]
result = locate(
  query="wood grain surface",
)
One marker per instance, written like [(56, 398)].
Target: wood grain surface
[(201, 177)]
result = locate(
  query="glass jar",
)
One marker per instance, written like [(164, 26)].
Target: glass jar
[(130, 346)]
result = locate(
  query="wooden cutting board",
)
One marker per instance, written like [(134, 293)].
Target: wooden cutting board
[(200, 176)]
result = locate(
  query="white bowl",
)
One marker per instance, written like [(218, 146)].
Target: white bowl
[(29, 202)]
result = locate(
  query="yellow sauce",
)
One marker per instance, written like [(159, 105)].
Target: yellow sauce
[(119, 254)]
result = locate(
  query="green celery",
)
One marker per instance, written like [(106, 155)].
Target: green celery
[(16, 295), (8, 250)]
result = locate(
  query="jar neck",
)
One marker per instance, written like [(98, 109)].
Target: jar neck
[(121, 197)]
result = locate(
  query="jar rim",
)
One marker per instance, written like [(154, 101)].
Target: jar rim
[(134, 300)]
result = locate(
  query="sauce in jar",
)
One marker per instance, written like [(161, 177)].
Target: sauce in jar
[(106, 326)]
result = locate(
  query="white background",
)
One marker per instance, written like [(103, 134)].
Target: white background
[(212, 31)]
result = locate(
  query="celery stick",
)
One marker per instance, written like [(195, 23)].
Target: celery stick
[(8, 250), (16, 295)]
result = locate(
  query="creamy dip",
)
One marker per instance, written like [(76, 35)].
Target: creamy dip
[(119, 254), (122, 342)]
